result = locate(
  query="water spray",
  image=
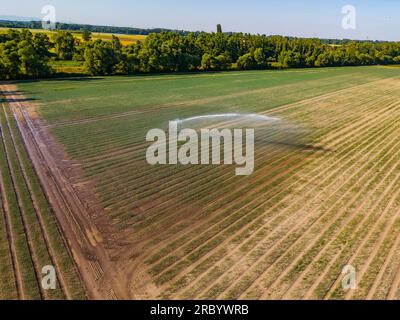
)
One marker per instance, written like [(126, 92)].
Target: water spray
[(254, 116)]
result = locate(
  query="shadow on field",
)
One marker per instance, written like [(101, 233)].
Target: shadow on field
[(18, 94), (305, 146), (78, 79), (69, 78)]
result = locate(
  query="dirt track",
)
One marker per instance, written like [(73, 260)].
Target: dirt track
[(75, 212)]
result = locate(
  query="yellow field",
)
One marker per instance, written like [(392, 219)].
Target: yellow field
[(126, 39)]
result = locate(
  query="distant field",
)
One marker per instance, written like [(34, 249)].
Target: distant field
[(68, 67), (29, 235), (125, 39), (325, 193)]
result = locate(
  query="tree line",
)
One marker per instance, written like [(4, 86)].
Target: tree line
[(76, 27), (27, 55), (89, 27)]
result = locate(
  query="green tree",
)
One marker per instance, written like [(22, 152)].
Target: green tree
[(100, 58), (64, 44), (260, 58), (290, 59), (208, 62), (24, 55), (33, 54), (30, 65), (9, 60), (246, 62), (86, 35), (324, 60), (42, 44)]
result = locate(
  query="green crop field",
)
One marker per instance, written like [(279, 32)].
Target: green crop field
[(30, 237), (325, 192)]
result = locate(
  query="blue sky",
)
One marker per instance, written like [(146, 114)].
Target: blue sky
[(376, 19)]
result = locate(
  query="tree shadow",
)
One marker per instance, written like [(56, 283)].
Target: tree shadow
[(69, 78), (18, 94)]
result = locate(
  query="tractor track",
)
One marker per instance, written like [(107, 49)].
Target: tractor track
[(11, 241), (39, 217)]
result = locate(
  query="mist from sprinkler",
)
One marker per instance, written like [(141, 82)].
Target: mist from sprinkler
[(244, 116)]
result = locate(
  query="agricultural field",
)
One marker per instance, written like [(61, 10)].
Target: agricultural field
[(30, 238), (70, 68), (325, 192), (125, 39)]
